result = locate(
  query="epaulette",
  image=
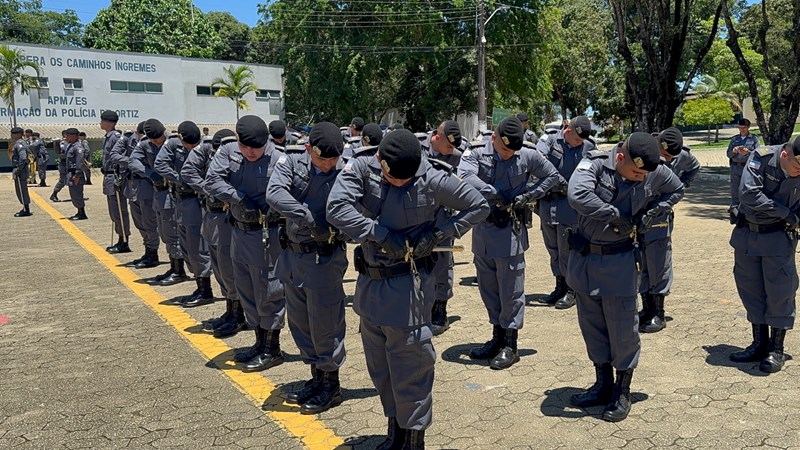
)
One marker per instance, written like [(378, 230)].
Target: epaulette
[(528, 144), (477, 143), (441, 165), (594, 154), (295, 148), (353, 139), (421, 136), (128, 133), (367, 149), (764, 150), (686, 148)]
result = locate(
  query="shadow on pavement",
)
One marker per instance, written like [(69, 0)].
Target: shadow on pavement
[(224, 360), (362, 442), (468, 281), (460, 354), (718, 356), (556, 403), (708, 199)]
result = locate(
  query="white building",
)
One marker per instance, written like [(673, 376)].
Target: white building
[(79, 84)]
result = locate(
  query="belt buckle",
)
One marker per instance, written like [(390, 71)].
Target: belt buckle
[(753, 227)]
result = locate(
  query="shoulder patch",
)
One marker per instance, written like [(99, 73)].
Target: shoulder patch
[(282, 159), (441, 165), (235, 157), (467, 152), (348, 167), (763, 151), (584, 164), (754, 164)]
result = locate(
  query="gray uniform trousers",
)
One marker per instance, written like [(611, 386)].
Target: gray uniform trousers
[(736, 178), (76, 191), (41, 169), (259, 290), (122, 224), (217, 233), (62, 176), (315, 305), (610, 328), (656, 248), (443, 272), (501, 282), (766, 284), (21, 186), (167, 225), (189, 217), (144, 216), (555, 241)]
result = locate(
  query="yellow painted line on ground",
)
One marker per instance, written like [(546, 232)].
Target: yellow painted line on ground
[(308, 428)]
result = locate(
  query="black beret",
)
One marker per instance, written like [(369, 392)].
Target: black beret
[(671, 140), (511, 132), (325, 140), (154, 129), (252, 131), (744, 122), (796, 146), (644, 151), (216, 141), (16, 130), (397, 126), (71, 131), (277, 129), (28, 131), (582, 126), (400, 154), (109, 116), (35, 133), (189, 132), (452, 132), (140, 127), (372, 134), (522, 117), (357, 123)]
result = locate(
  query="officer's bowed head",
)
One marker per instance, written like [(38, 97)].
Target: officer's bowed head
[(400, 156), (790, 157), (16, 132), (277, 129), (447, 137), (508, 137), (252, 132), (325, 146), (189, 133), (222, 137), (638, 155), (371, 135), (671, 142), (155, 131)]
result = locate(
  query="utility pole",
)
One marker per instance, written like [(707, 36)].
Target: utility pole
[(481, 66)]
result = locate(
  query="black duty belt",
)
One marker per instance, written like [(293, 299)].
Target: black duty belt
[(246, 226), (737, 163), (106, 172), (302, 247), (183, 195), (396, 270), (611, 249), (761, 228), (160, 187), (215, 208)]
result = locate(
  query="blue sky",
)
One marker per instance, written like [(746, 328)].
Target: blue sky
[(244, 10)]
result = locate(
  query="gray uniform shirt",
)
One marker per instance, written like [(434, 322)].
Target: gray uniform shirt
[(74, 158), (554, 208), (685, 166), (750, 141), (19, 155), (194, 169), (142, 163), (39, 151), (169, 161)]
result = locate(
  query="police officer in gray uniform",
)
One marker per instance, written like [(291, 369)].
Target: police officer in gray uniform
[(611, 192), (564, 150), (656, 242), (739, 150), (75, 175), (312, 264), (443, 144), (217, 233), (112, 186), (62, 167), (529, 136), (371, 136), (19, 171), (87, 158), (501, 170), (389, 205), (39, 151), (277, 135), (142, 163), (238, 175), (188, 212), (139, 190), (764, 242)]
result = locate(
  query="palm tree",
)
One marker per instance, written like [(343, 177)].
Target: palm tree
[(12, 76), (237, 83), (709, 86)]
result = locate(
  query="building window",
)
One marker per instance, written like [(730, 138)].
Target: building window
[(44, 82), (206, 90), (266, 94), (73, 83), (137, 87)]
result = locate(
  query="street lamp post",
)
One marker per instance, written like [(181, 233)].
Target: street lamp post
[(482, 61)]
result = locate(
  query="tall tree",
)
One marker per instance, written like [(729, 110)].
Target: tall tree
[(670, 46), (774, 30), (25, 21), (166, 27), (235, 36), (235, 85), (14, 75), (707, 111)]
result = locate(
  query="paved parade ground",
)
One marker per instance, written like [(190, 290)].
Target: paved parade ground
[(90, 356)]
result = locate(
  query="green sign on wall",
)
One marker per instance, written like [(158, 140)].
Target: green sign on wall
[(499, 114)]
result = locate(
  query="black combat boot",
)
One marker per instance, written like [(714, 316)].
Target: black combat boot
[(657, 321), (620, 405), (148, 260), (234, 324), (120, 247), (211, 324), (774, 361), (309, 388), (756, 351), (204, 297), (178, 274), (157, 279), (647, 308), (257, 348), (80, 215), (185, 298), (600, 392), (439, 321), (54, 197), (508, 355), (415, 440), (272, 356), (491, 348), (329, 394), (395, 437), (559, 291), (567, 301), (24, 212), (42, 184)]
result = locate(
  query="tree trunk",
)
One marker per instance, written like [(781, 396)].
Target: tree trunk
[(716, 135), (709, 134), (13, 110)]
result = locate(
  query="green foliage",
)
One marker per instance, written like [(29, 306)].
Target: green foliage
[(14, 75), (711, 110), (25, 21), (237, 83), (165, 27), (235, 36)]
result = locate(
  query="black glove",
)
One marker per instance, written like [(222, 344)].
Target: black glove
[(792, 222), (650, 216), (320, 233), (733, 212), (394, 246), (622, 226), (521, 200), (427, 241), (249, 204)]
